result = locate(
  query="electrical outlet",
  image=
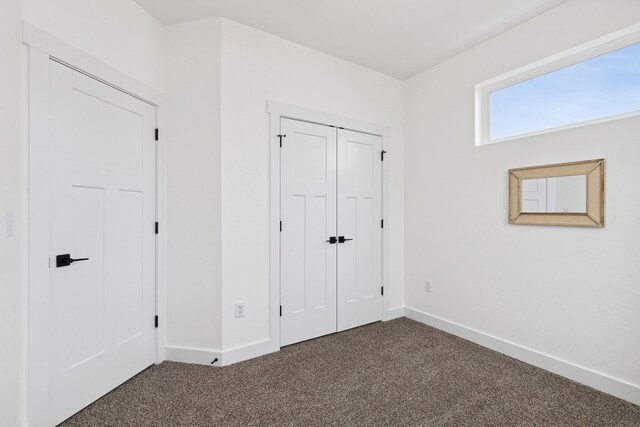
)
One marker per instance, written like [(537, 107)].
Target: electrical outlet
[(239, 309), (427, 286)]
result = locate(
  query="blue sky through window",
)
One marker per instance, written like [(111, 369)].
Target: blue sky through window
[(599, 87)]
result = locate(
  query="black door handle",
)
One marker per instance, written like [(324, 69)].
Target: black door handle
[(341, 239), (66, 260), (332, 240)]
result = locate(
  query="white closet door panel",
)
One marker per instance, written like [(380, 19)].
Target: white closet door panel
[(308, 214), (534, 195), (359, 215), (103, 208)]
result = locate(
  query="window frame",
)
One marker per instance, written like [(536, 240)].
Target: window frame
[(600, 46)]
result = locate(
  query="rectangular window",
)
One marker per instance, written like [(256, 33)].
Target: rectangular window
[(589, 84)]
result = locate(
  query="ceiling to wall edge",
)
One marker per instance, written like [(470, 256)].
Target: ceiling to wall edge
[(455, 53)]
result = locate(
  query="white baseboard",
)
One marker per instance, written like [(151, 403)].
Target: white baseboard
[(227, 357), (599, 381), (246, 352), (393, 313), (192, 355), (242, 353)]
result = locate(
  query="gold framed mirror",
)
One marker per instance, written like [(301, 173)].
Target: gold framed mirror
[(563, 194)]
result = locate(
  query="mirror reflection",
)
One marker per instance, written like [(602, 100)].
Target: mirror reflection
[(555, 194)]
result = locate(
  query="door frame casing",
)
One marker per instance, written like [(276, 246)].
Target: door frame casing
[(42, 48), (278, 111)]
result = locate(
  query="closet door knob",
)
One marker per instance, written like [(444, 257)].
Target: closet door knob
[(341, 239), (66, 260), (332, 240)]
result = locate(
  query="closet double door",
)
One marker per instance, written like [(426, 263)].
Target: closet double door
[(331, 237)]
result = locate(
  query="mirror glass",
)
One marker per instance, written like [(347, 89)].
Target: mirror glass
[(566, 194)]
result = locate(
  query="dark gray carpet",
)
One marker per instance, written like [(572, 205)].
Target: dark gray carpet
[(398, 373)]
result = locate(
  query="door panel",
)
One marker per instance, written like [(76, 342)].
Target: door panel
[(359, 215), (128, 255), (308, 214), (103, 208), (534, 195)]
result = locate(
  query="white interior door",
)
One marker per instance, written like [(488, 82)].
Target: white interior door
[(359, 223), (308, 214), (103, 209)]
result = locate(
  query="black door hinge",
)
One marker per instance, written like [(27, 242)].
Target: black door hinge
[(156, 321), (281, 226), (157, 134), (382, 153), (157, 228), (281, 136), (382, 223), (381, 290), (280, 311)]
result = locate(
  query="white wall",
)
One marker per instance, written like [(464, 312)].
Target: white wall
[(118, 32), (571, 293), (256, 67), (194, 260), (12, 323)]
